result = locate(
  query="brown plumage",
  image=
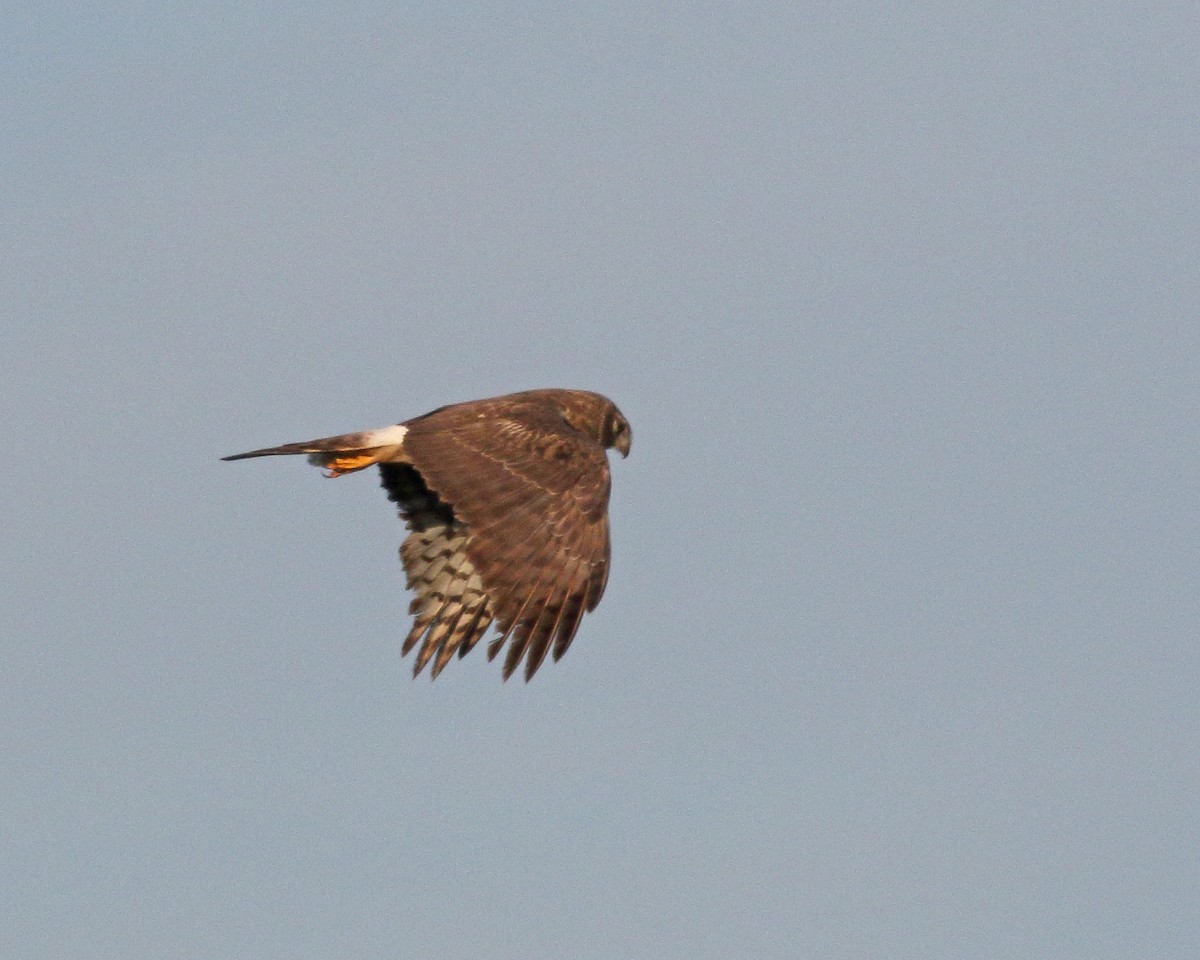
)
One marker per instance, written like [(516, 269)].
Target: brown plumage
[(506, 501)]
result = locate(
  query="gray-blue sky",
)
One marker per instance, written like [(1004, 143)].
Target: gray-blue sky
[(898, 656)]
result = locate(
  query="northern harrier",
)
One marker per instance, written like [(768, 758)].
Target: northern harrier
[(507, 503)]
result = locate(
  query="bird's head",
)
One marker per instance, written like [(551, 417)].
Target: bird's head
[(596, 416), (618, 434)]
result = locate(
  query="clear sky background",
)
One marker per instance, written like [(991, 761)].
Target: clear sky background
[(898, 657)]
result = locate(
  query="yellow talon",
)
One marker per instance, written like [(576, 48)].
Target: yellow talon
[(337, 464)]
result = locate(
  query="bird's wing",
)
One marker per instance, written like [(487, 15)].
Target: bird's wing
[(532, 497), (451, 610)]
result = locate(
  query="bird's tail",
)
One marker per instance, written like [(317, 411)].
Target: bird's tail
[(344, 453)]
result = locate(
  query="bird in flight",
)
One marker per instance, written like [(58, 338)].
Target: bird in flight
[(506, 503)]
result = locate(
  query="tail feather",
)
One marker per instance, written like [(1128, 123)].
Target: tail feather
[(341, 454), (287, 448)]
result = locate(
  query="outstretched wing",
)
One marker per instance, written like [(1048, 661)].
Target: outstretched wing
[(450, 609), (527, 526)]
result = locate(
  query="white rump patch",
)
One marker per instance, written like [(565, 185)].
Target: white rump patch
[(391, 436)]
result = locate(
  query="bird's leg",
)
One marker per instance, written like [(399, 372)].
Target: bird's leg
[(347, 461)]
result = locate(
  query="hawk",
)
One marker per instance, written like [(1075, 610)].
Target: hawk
[(506, 503)]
